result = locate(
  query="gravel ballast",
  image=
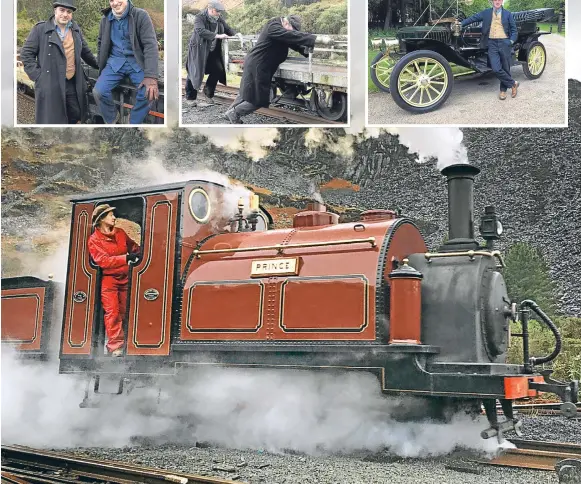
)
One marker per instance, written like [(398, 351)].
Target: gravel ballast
[(200, 112), (259, 466)]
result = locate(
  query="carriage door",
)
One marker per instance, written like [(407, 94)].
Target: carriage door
[(81, 290), (152, 279)]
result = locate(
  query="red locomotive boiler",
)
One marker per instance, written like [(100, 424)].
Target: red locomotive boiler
[(218, 286)]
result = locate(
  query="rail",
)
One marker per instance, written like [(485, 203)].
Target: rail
[(469, 253), (25, 465), (281, 248), (225, 95), (539, 455)]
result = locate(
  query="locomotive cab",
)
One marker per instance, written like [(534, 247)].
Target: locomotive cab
[(164, 221)]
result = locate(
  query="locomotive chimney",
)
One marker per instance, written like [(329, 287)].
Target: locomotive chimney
[(460, 207)]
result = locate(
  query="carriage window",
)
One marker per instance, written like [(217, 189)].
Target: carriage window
[(262, 224), (200, 205)]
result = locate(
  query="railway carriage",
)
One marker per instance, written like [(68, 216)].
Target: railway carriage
[(216, 285)]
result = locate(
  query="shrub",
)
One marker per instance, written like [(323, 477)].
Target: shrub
[(527, 277), (567, 365)]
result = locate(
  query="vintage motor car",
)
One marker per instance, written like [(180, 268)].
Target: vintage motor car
[(418, 68)]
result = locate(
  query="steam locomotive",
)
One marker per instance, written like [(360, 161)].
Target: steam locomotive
[(216, 285)]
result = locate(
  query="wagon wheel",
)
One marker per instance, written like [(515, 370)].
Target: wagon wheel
[(421, 81), (381, 68), (330, 105), (536, 60)]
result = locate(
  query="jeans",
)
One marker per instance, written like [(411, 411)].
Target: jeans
[(72, 101), (103, 93), (242, 107), (500, 56)]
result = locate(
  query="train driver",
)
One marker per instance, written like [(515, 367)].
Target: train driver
[(112, 250), (271, 50)]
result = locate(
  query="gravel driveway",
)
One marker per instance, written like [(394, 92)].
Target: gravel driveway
[(474, 101)]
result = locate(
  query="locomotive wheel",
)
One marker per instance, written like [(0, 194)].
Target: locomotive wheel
[(536, 61), (331, 105), (381, 68), (421, 81)]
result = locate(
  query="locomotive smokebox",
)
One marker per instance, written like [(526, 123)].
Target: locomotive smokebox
[(460, 207)]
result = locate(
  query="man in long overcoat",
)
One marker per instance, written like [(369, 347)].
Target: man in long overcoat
[(52, 57), (205, 52), (127, 46), (276, 38)]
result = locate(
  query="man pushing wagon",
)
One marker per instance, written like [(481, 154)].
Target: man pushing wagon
[(276, 38)]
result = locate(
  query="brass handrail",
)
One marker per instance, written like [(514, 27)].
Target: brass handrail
[(280, 248), (470, 253)]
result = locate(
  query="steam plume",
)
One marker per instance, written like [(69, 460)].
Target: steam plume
[(445, 144), (315, 413)]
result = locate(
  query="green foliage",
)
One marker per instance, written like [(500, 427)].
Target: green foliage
[(567, 365), (477, 6), (88, 16), (24, 26), (527, 277), (325, 17), (518, 5)]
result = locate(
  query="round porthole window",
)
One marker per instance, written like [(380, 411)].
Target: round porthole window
[(200, 205), (262, 224)]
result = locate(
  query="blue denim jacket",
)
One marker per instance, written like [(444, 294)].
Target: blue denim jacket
[(121, 49)]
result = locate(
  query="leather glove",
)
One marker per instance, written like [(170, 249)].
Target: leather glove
[(133, 258), (151, 89)]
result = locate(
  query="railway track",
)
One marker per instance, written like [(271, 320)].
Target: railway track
[(23, 465), (530, 454), (541, 409), (225, 95)]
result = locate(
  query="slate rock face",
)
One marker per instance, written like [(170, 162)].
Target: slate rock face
[(532, 176)]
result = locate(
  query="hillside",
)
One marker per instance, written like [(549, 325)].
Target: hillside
[(531, 176)]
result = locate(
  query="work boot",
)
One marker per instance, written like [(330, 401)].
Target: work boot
[(232, 117), (208, 98), (515, 89), (502, 95), (117, 353)]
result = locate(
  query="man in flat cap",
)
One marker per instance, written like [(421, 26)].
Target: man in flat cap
[(52, 57), (205, 52), (276, 38), (127, 46), (112, 250)]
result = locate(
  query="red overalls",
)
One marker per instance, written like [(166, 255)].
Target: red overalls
[(109, 253)]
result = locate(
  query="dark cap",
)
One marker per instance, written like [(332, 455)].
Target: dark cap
[(217, 5), (100, 212), (295, 21), (65, 3)]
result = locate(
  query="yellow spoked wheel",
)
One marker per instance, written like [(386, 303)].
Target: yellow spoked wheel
[(536, 60), (381, 68), (421, 81)]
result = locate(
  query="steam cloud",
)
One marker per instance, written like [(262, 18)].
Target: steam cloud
[(256, 409), (445, 144)]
